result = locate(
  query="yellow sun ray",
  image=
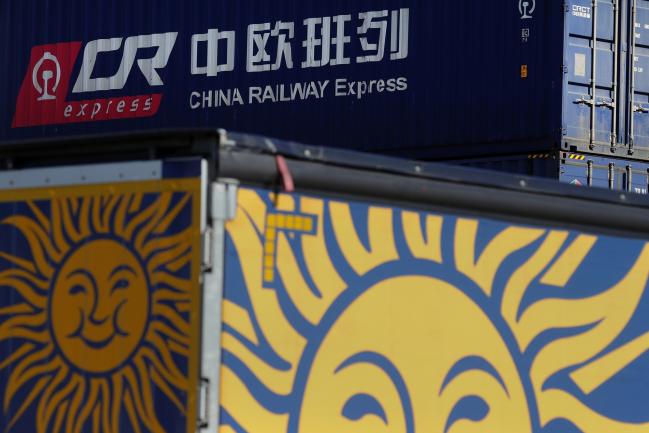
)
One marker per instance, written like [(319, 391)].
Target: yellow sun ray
[(144, 232), (170, 217), (172, 316), (84, 217), (574, 350), (60, 398), (162, 385), (594, 374), (135, 202), (165, 365), (178, 348), (278, 381), (8, 278), (25, 371), (163, 295), (311, 307), (116, 400), (482, 270), (183, 307), (319, 264), (560, 272), (105, 407), (57, 228), (181, 261), (242, 405), (170, 281), (42, 415), (164, 330), (120, 215), (238, 318), (166, 257), (88, 406), (16, 309), (149, 216), (25, 264), (97, 215), (428, 247), (254, 208), (27, 401), (108, 212), (65, 207), (38, 241), (558, 404), (165, 243), (27, 321), (523, 276), (30, 277), (38, 213), (75, 404), (96, 420), (143, 401), (60, 414), (20, 326), (16, 355), (130, 410), (382, 248)]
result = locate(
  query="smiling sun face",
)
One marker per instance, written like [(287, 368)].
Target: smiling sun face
[(102, 332), (99, 307)]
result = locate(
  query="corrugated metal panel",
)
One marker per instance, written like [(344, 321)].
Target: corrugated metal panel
[(407, 77), (574, 168)]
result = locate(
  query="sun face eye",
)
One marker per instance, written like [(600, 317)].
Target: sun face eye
[(361, 405), (78, 289), (121, 284), (471, 408)]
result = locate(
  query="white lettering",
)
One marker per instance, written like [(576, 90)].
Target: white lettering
[(371, 22), (213, 67), (164, 42), (312, 42)]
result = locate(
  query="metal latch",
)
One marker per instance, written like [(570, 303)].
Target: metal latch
[(591, 102), (584, 101), (204, 404), (640, 109)]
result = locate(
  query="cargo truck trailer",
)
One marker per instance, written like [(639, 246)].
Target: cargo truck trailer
[(204, 282)]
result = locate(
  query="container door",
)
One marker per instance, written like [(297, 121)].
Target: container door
[(639, 77), (100, 297), (589, 108)]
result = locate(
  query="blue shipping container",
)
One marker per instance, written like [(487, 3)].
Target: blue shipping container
[(574, 168), (414, 78)]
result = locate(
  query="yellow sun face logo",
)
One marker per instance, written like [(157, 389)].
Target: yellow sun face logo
[(102, 331), (99, 307), (382, 319)]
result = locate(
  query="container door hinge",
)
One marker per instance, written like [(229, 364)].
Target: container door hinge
[(564, 68), (224, 199), (208, 259), (223, 208), (203, 404)]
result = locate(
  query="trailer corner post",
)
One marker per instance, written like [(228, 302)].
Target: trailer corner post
[(223, 199)]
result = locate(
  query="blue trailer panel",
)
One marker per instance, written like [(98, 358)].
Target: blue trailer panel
[(343, 315), (408, 77)]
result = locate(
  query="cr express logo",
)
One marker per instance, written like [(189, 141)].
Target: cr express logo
[(43, 95)]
